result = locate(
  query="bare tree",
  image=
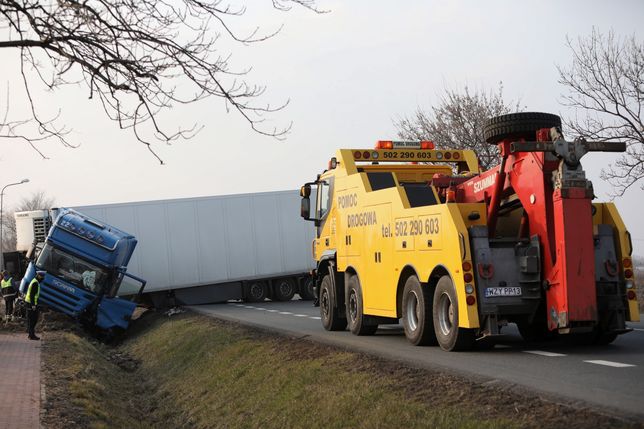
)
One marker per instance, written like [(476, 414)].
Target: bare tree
[(137, 57), (606, 82), (36, 201), (457, 122)]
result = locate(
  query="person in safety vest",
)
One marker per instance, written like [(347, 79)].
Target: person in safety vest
[(8, 293), (33, 293)]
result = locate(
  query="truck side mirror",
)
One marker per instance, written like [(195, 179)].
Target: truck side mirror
[(305, 191), (305, 208)]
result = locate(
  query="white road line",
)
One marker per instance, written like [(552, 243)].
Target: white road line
[(285, 312), (273, 311), (248, 306), (300, 315), (315, 317), (258, 308), (542, 353), (638, 329), (609, 363)]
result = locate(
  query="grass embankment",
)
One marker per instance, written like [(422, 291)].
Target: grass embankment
[(194, 372)]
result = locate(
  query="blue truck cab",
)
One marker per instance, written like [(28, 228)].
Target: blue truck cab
[(86, 262)]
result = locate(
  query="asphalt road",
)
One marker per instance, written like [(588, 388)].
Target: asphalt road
[(605, 377)]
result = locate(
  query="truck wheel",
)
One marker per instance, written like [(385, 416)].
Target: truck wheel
[(306, 289), (535, 331), (417, 303), (328, 311), (518, 125), (605, 338), (448, 334), (283, 289), (355, 314), (255, 292), (596, 337)]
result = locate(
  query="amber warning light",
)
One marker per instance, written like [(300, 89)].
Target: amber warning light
[(392, 144)]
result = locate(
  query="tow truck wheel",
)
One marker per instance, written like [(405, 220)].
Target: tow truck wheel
[(518, 125), (417, 304), (598, 337), (283, 289), (355, 316), (605, 338), (328, 311), (535, 331), (306, 289), (448, 334)]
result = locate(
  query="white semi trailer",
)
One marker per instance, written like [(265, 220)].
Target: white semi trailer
[(211, 249)]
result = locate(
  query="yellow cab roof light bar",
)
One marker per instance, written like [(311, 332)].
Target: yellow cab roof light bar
[(409, 152)]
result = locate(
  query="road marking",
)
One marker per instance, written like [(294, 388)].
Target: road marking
[(300, 315), (542, 353), (273, 311), (315, 317), (609, 363), (285, 312), (638, 329), (258, 308)]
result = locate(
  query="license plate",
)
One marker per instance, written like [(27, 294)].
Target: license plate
[(502, 291)]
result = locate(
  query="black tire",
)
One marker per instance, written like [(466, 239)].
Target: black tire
[(329, 313), (518, 125), (537, 331), (448, 334), (605, 338), (284, 289), (306, 289), (597, 337), (417, 307), (355, 314), (255, 291)]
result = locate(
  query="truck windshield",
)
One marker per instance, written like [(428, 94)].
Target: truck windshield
[(72, 269)]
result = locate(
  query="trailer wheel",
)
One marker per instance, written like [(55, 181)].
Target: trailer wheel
[(255, 291), (283, 289), (518, 125), (331, 319), (355, 315), (306, 289), (417, 305), (448, 334)]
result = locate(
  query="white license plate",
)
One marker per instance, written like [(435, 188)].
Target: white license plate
[(502, 291)]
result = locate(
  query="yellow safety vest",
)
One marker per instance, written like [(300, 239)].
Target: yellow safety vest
[(27, 298), (6, 283)]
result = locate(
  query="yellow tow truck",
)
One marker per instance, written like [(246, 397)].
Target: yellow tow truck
[(406, 231)]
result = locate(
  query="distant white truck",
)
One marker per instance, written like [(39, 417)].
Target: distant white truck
[(212, 249)]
